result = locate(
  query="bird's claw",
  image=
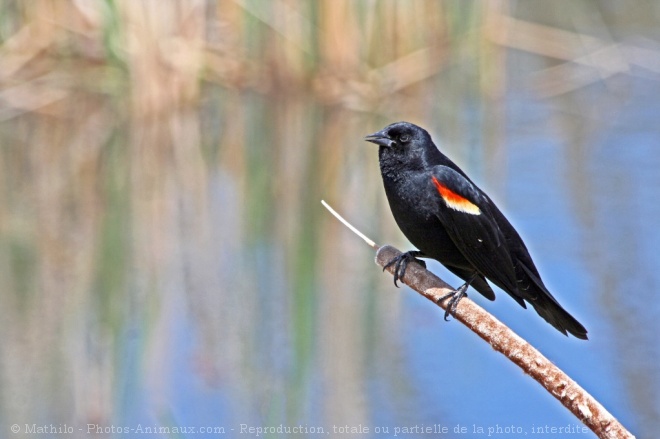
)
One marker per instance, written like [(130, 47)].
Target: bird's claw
[(401, 262), (454, 297)]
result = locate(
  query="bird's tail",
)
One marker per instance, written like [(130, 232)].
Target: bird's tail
[(547, 307), (558, 317)]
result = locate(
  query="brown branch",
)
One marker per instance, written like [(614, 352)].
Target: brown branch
[(511, 345), (507, 342)]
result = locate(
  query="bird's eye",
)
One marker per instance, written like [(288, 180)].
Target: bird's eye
[(404, 138)]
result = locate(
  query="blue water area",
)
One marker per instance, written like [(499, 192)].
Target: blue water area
[(588, 210)]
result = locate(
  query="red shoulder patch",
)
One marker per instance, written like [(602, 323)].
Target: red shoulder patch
[(455, 201)]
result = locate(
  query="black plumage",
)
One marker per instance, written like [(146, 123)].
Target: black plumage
[(448, 218)]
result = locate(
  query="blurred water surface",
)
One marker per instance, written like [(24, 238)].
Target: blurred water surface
[(165, 261)]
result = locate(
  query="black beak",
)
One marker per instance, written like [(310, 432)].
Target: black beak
[(380, 138)]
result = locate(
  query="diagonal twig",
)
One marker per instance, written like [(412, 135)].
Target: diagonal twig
[(507, 342)]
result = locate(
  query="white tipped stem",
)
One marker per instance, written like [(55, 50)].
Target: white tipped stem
[(349, 225)]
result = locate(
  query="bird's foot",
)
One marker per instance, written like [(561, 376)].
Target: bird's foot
[(401, 263), (455, 297)]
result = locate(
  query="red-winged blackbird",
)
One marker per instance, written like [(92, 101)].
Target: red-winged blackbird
[(448, 218)]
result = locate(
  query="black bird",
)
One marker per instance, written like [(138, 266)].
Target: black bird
[(448, 218)]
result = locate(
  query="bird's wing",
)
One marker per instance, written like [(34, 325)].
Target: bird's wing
[(465, 213)]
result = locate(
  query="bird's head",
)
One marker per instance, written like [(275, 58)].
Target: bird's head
[(404, 142)]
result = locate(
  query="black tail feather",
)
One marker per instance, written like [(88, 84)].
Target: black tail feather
[(547, 307)]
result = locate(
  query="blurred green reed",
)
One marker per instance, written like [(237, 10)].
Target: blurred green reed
[(170, 156)]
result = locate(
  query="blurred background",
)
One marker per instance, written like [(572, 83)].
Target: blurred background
[(165, 259)]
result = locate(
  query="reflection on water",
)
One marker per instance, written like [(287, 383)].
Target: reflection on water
[(165, 261)]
